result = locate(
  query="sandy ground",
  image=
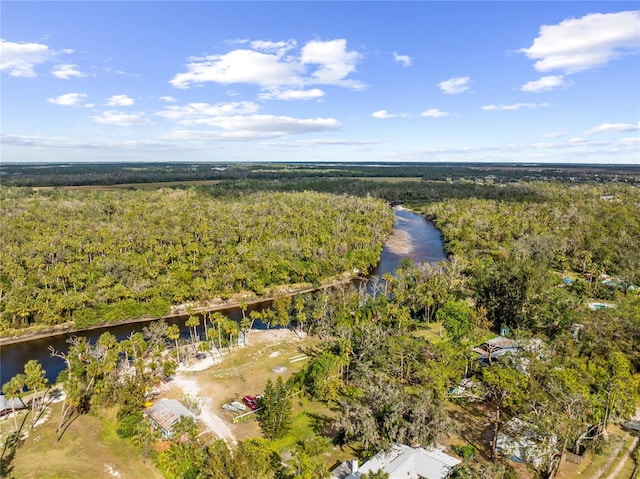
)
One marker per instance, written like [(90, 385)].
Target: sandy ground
[(215, 424), (399, 242), (188, 382)]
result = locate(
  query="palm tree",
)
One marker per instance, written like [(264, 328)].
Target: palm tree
[(193, 322), (13, 390), (173, 332), (231, 328), (218, 319), (245, 325), (35, 380), (388, 280)]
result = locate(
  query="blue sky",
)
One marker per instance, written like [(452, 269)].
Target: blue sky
[(320, 81)]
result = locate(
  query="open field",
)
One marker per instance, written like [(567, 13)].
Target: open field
[(89, 448), (244, 371)]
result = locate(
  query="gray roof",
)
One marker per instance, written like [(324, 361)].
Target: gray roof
[(167, 412)]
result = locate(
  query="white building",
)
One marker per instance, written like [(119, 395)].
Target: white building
[(402, 462)]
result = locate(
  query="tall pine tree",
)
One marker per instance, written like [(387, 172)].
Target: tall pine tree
[(275, 413)]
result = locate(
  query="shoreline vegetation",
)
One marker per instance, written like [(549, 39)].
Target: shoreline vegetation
[(398, 242), (181, 311), (82, 259)]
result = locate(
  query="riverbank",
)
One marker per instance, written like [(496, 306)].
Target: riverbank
[(399, 243), (179, 311)]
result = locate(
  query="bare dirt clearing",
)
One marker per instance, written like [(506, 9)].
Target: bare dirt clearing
[(241, 371)]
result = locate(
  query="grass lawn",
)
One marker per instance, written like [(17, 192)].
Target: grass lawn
[(308, 419), (433, 332), (89, 448)]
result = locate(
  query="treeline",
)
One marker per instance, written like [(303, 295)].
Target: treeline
[(395, 192), (98, 256), (76, 174), (586, 229)]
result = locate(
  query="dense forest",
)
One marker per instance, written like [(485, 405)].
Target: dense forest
[(104, 174), (103, 256), (396, 362)]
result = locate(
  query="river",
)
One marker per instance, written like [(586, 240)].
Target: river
[(413, 237)]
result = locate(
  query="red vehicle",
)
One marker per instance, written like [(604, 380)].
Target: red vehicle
[(251, 402)]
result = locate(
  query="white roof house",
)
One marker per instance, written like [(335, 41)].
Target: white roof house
[(402, 462)]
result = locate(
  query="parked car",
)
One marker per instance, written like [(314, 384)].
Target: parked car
[(251, 402)]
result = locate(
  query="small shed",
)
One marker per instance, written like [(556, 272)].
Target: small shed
[(166, 413)]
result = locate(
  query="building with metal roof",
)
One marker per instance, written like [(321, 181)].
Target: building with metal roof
[(166, 413), (402, 462)]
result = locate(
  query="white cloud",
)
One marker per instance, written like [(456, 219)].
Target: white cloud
[(434, 113), (337, 141), (272, 65), (630, 141), (359, 149), (334, 62), (248, 127), (381, 114), (68, 99), (515, 106), (69, 143), (454, 85), (555, 134), (115, 72), (578, 140), (168, 99), (323, 142), (545, 83), (543, 145), (406, 60), (385, 115), (66, 71), (277, 47), (20, 59), (613, 127), (578, 44), (240, 66), (120, 100), (291, 94), (112, 117), (188, 114)]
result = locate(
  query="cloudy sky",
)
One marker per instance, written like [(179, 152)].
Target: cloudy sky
[(320, 81)]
